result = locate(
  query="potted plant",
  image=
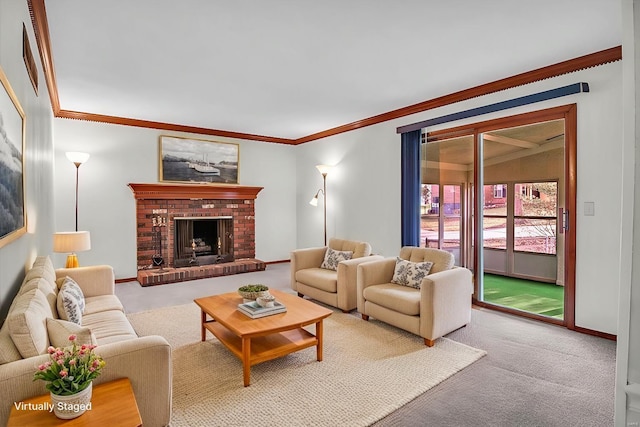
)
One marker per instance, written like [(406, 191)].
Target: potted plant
[(69, 375), (251, 292)]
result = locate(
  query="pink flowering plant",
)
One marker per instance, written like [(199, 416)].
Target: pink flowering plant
[(71, 369)]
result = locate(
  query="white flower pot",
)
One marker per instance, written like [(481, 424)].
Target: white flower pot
[(68, 407)]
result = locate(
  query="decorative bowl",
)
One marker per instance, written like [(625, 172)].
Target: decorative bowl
[(266, 300), (252, 292)]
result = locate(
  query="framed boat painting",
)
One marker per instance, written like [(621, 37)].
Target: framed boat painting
[(13, 218), (197, 160)]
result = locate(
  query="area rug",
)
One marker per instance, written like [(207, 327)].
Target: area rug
[(369, 369)]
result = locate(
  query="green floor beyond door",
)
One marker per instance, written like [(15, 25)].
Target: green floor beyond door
[(535, 297)]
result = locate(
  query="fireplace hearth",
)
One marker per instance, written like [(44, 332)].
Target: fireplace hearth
[(210, 231)]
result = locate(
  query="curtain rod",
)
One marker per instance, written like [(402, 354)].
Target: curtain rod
[(499, 106)]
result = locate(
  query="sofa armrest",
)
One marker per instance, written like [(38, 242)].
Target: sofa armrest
[(94, 280), (373, 273), (347, 279), (445, 302), (305, 258), (146, 361)]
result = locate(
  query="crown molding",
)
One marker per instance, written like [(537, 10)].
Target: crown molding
[(41, 29), (101, 118), (587, 61)]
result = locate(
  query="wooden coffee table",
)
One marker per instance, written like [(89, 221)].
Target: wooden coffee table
[(257, 340)]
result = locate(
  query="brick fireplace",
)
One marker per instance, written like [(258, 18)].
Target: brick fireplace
[(160, 206)]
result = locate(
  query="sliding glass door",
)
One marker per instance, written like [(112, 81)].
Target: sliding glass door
[(523, 166)]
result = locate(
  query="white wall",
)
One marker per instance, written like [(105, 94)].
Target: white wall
[(364, 191), (123, 154), (627, 402), (19, 254)]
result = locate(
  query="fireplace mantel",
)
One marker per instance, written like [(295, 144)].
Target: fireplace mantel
[(164, 191)]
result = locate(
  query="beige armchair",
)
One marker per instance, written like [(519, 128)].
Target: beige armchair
[(337, 287), (441, 305)]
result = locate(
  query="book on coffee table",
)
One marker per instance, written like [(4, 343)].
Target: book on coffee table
[(254, 310)]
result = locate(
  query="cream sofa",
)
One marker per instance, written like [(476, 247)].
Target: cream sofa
[(25, 335), (441, 305)]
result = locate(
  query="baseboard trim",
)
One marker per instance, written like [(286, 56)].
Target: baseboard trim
[(126, 279), (282, 261)]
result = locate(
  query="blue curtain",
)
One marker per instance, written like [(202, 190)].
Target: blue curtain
[(410, 193)]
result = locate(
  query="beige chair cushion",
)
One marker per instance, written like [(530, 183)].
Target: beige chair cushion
[(442, 260), (359, 249), (28, 323), (321, 278), (59, 331), (402, 299)]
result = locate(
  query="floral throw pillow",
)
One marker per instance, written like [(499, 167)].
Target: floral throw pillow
[(332, 258), (70, 301), (409, 273)]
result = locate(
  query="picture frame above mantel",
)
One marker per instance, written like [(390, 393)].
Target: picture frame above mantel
[(190, 160)]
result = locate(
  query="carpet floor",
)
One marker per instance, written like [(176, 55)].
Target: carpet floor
[(369, 370)]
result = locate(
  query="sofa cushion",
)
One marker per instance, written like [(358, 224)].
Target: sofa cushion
[(332, 258), (50, 292), (409, 273), (70, 301), (8, 350), (102, 303), (321, 278), (28, 323), (42, 267), (59, 331), (107, 324), (402, 299)]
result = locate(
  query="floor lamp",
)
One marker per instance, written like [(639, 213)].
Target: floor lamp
[(74, 241), (324, 170)]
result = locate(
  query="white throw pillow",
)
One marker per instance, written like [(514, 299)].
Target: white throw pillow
[(332, 258), (409, 273), (59, 331), (70, 301)]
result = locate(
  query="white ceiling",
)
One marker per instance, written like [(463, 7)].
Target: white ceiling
[(290, 68)]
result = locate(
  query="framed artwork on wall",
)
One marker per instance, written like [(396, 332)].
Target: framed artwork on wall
[(197, 160), (13, 218)]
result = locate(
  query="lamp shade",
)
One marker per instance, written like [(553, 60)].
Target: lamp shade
[(324, 169), (71, 241), (77, 157)]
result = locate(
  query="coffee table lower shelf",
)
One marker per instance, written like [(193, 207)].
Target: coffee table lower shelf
[(263, 348)]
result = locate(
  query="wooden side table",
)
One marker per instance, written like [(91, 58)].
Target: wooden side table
[(112, 403)]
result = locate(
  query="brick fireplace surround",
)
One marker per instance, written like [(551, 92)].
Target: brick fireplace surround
[(193, 200)]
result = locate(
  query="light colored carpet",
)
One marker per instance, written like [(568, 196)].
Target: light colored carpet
[(369, 369)]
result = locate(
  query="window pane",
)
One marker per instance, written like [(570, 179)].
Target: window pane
[(430, 198), (429, 231), (494, 232), (494, 205), (535, 235), (536, 199)]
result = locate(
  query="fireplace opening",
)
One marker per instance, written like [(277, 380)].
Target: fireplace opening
[(203, 240)]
